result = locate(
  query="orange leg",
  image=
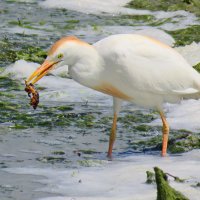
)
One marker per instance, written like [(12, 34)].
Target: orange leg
[(165, 134), (112, 136)]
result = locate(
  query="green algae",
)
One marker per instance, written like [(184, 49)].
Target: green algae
[(183, 143), (197, 67), (30, 53), (197, 185), (127, 20), (180, 141), (9, 84), (64, 108), (51, 159), (179, 180), (71, 24), (137, 117), (186, 36), (146, 18), (19, 126), (164, 190), (153, 142), (13, 51), (7, 54), (44, 117), (73, 21), (150, 177), (58, 152), (87, 151), (19, 22), (8, 106), (143, 128), (182, 36), (90, 163), (192, 6), (65, 116), (85, 121), (3, 11), (6, 94), (42, 22), (27, 24), (69, 27)]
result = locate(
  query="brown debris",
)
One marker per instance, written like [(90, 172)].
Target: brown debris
[(33, 94)]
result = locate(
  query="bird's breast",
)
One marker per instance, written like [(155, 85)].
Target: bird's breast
[(113, 91)]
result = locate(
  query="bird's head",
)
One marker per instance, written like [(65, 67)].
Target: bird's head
[(61, 53)]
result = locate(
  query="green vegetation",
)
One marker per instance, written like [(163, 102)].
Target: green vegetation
[(150, 177), (7, 54), (12, 51), (10, 85), (184, 142), (85, 121), (170, 5), (179, 141), (27, 24), (139, 17), (137, 117), (197, 185), (58, 153), (90, 163), (182, 36), (63, 116), (34, 54), (52, 159), (197, 67), (186, 36), (164, 190)]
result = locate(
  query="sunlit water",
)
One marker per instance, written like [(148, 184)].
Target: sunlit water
[(56, 161)]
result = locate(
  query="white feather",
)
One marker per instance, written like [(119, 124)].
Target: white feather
[(145, 69)]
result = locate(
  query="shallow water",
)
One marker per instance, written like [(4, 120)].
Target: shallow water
[(122, 178), (59, 150)]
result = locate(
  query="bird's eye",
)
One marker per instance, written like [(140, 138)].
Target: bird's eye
[(60, 55)]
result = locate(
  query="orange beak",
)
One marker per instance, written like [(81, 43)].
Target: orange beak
[(41, 71)]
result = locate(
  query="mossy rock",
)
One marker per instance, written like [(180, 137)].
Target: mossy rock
[(164, 190), (150, 177)]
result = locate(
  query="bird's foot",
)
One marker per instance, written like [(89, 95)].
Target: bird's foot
[(163, 154), (109, 156)]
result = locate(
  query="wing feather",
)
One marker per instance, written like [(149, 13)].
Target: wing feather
[(138, 63)]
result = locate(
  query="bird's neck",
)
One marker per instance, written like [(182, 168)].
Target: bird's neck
[(87, 66)]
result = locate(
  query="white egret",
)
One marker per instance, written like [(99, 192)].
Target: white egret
[(128, 67)]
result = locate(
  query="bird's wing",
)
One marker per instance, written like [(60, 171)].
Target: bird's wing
[(135, 62)]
